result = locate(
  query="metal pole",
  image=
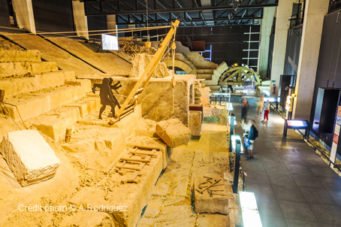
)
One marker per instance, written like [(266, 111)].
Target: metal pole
[(236, 168)]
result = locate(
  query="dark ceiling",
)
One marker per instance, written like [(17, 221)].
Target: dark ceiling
[(190, 12)]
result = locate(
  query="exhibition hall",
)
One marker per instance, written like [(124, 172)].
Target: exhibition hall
[(150, 113)]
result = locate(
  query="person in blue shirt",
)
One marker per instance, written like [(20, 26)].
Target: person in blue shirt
[(250, 139)]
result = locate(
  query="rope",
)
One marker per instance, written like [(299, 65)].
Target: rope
[(121, 30)]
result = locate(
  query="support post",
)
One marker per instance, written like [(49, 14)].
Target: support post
[(284, 10), (80, 19), (314, 12), (23, 11)]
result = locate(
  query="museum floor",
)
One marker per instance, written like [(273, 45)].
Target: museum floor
[(293, 186)]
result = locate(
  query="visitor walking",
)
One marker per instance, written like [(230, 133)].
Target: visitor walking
[(266, 113), (245, 106)]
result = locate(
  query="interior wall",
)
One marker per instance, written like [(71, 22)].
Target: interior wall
[(53, 15), (328, 72), (227, 42)]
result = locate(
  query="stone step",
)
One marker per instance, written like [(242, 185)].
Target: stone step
[(133, 183), (9, 69), (20, 85), (20, 56), (55, 123), (33, 104), (204, 76)]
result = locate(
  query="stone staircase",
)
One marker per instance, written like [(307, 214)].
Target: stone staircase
[(36, 92)]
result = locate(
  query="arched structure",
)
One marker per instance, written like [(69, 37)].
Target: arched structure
[(187, 68)]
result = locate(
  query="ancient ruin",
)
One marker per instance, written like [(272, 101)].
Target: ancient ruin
[(156, 162)]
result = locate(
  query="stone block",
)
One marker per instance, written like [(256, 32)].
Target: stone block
[(213, 220), (29, 156), (141, 61), (162, 101), (212, 195), (16, 86), (173, 132), (20, 56), (44, 102), (146, 127), (54, 125), (194, 123), (8, 69)]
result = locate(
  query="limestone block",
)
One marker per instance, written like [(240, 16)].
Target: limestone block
[(23, 68), (20, 56), (213, 220), (146, 127), (212, 194), (161, 101), (173, 132), (29, 156), (55, 124), (16, 86), (44, 102), (195, 121), (140, 63)]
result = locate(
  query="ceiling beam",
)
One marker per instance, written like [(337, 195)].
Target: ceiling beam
[(187, 10)]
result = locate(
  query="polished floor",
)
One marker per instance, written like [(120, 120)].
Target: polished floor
[(293, 186)]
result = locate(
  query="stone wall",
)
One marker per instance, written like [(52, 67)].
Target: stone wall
[(162, 101)]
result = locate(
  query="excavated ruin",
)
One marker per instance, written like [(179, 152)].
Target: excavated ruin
[(154, 166)]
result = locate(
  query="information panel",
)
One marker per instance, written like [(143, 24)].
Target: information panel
[(109, 42)]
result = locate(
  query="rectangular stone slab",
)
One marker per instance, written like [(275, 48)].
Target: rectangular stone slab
[(173, 132), (29, 156), (194, 123)]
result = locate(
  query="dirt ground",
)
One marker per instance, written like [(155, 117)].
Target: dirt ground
[(51, 203)]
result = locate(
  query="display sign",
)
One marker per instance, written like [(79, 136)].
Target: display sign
[(109, 42), (297, 124)]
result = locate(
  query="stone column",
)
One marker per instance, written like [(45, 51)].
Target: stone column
[(23, 11), (283, 13), (265, 32), (314, 13), (80, 19), (111, 22)]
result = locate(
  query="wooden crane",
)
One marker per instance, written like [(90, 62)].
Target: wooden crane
[(129, 103)]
